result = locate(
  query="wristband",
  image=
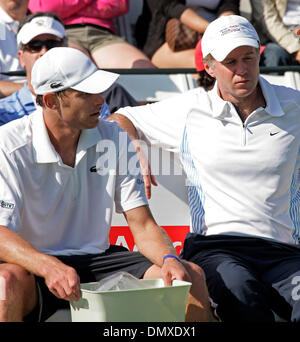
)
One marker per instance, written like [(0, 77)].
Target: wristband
[(171, 256)]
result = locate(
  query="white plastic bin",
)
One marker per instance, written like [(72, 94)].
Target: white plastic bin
[(155, 303)]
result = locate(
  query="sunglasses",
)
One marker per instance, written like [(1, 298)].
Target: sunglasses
[(37, 45)]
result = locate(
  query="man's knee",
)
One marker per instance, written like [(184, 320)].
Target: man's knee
[(13, 276), (17, 289), (195, 271)]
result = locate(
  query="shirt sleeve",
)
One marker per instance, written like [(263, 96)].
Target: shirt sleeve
[(162, 123), (10, 194), (130, 190)]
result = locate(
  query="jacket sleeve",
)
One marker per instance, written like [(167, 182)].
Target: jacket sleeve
[(276, 30)]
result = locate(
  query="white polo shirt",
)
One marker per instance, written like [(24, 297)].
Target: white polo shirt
[(9, 60), (244, 177), (62, 210)]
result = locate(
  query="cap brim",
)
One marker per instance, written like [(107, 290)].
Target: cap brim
[(34, 34), (96, 83), (221, 54)]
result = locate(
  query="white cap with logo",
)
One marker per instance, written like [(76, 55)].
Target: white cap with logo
[(225, 34), (63, 67), (40, 25)]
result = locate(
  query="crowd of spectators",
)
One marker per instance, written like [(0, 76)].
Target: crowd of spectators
[(91, 27)]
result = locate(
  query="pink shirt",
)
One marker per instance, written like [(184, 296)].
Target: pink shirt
[(97, 12)]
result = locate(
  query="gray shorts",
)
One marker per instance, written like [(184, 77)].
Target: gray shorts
[(90, 268), (91, 37)]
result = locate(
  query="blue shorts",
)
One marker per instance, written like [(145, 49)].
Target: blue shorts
[(248, 278)]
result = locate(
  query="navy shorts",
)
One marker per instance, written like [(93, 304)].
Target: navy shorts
[(248, 278), (90, 268)]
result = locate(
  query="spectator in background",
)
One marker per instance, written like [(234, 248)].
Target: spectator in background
[(89, 25), (38, 33), (151, 26), (275, 21), (11, 13)]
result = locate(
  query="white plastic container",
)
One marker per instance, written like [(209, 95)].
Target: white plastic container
[(152, 303)]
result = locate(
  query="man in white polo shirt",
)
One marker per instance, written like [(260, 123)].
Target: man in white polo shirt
[(62, 171), (239, 144)]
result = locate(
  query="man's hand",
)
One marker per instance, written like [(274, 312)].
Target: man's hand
[(63, 281), (173, 269)]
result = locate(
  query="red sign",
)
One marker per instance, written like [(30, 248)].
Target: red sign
[(121, 235)]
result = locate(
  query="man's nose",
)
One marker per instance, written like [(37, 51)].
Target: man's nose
[(241, 68), (99, 100)]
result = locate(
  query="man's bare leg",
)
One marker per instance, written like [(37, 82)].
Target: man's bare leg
[(18, 295), (198, 307)]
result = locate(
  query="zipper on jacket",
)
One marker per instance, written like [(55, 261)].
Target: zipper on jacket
[(244, 135)]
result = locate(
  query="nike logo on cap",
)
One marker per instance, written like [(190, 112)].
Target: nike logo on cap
[(273, 133)]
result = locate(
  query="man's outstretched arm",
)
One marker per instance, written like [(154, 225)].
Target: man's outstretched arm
[(128, 126)]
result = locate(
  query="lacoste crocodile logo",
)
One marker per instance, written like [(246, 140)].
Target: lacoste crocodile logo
[(55, 85), (95, 169)]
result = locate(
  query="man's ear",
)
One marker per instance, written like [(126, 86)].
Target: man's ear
[(20, 55), (50, 100), (209, 70)]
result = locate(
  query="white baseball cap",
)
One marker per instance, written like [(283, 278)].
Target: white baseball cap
[(227, 33), (63, 67), (40, 25)]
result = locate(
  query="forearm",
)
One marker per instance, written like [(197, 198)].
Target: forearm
[(61, 279), (7, 88), (153, 242), (128, 126), (150, 239), (14, 249), (124, 123), (193, 20), (155, 245)]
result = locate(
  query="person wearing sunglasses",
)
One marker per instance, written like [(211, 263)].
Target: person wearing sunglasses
[(38, 33)]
